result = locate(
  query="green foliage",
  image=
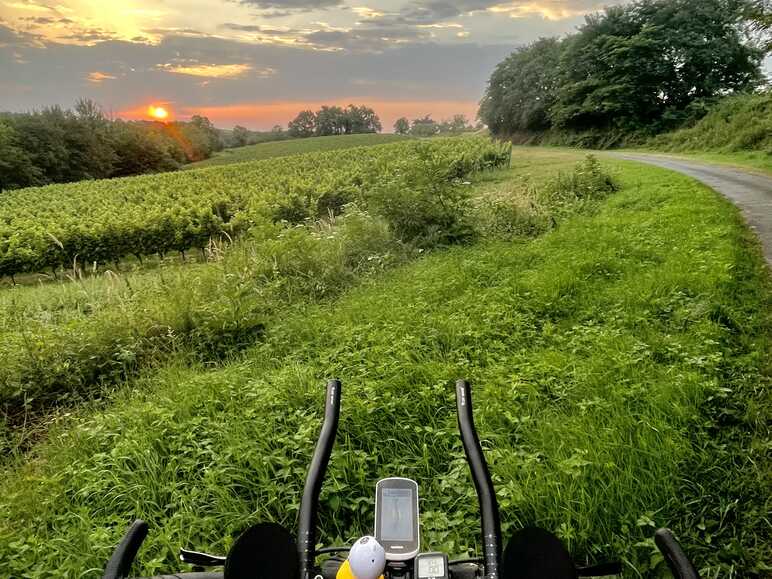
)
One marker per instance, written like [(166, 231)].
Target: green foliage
[(402, 126), (295, 147), (637, 67), (16, 166), (621, 376), (104, 221), (522, 89), (61, 146), (737, 123), (335, 121), (341, 222)]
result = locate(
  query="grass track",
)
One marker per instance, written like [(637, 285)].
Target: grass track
[(295, 147), (604, 354)]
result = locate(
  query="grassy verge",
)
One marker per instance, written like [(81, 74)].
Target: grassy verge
[(755, 160), (65, 343), (737, 130), (294, 147), (621, 365)]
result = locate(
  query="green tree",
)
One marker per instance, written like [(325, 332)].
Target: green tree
[(760, 16), (635, 65), (424, 127), (522, 89), (361, 119), (303, 125), (644, 65), (240, 136), (402, 126), (16, 167), (330, 121), (213, 136)]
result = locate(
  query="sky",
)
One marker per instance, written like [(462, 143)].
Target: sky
[(258, 62)]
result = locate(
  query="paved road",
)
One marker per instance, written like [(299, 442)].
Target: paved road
[(751, 192)]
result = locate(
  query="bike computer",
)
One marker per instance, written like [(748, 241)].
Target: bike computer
[(431, 566), (396, 518)]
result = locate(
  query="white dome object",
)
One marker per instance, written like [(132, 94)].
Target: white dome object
[(367, 558)]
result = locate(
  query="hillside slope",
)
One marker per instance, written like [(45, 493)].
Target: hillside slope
[(295, 147), (738, 128)]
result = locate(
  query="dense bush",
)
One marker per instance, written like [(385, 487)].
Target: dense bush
[(54, 145), (737, 123), (293, 250), (209, 311), (644, 67), (104, 221)]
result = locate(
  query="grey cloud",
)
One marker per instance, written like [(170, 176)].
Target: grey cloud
[(46, 20), (436, 11), (419, 71), (303, 5), (367, 39), (253, 28)]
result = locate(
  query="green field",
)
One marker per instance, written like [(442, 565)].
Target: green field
[(618, 344), (295, 147), (104, 221)]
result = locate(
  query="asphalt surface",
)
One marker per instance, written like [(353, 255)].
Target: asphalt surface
[(751, 192)]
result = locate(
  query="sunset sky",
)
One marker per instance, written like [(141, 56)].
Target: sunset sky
[(258, 62)]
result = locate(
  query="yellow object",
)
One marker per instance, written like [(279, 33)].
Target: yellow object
[(345, 572)]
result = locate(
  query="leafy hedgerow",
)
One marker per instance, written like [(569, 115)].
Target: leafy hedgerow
[(105, 221)]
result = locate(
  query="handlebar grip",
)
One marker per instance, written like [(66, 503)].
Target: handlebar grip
[(676, 559), (486, 496), (119, 565), (306, 541)]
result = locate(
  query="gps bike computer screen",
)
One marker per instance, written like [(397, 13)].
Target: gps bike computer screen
[(397, 515), (396, 518)]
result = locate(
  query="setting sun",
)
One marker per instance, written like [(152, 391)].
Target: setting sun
[(159, 113)]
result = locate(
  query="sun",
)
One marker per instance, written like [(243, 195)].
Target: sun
[(157, 112)]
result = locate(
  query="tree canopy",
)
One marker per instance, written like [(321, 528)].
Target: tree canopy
[(641, 65), (334, 120), (56, 145)]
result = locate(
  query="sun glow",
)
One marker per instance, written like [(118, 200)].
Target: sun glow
[(158, 113)]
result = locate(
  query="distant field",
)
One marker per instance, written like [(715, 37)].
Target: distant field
[(295, 147)]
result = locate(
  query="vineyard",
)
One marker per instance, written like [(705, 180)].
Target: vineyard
[(273, 149), (105, 221)]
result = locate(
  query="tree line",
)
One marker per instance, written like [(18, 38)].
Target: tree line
[(644, 67), (428, 127), (334, 120), (56, 145)]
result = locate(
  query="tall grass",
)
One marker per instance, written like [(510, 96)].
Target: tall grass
[(70, 343), (621, 372), (735, 124)]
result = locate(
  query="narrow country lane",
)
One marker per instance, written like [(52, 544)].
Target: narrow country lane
[(751, 192)]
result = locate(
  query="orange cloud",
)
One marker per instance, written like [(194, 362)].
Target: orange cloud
[(217, 70), (265, 115), (548, 9), (97, 77)]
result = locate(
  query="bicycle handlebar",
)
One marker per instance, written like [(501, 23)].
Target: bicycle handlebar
[(486, 496), (676, 559), (306, 541)]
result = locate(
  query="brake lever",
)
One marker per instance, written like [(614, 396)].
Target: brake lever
[(198, 559)]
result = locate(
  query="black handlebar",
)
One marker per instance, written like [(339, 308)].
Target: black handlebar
[(486, 496), (306, 542), (119, 565), (675, 557)]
